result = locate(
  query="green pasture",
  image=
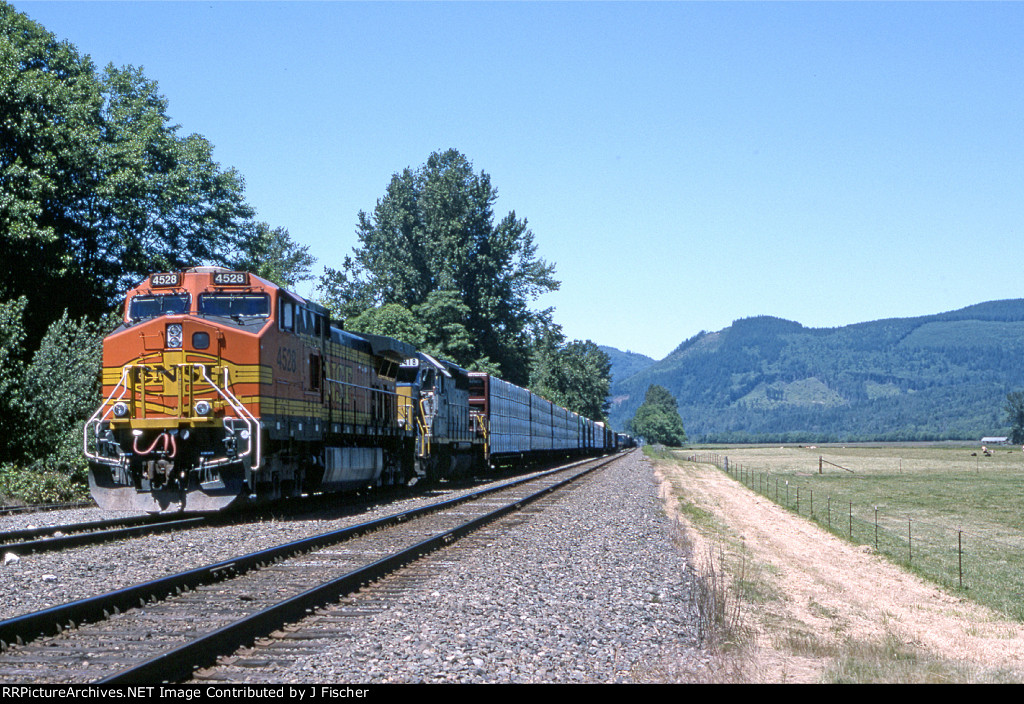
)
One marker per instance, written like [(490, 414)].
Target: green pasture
[(949, 513)]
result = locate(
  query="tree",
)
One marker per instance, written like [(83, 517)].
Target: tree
[(162, 203), (657, 420), (49, 135), (575, 375), (391, 320), (97, 188), (432, 241), (63, 389), (1014, 408), (273, 255), (436, 327), (12, 337)]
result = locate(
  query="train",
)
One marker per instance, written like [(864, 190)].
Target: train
[(222, 388)]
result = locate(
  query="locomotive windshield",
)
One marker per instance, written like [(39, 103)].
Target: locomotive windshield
[(142, 307), (231, 305)]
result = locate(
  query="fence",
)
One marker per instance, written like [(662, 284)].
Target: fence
[(991, 569)]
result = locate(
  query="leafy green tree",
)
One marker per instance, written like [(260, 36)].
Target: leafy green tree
[(391, 320), (436, 327), (575, 375), (12, 338), (1014, 408), (445, 321), (97, 188), (657, 420), (163, 203), (63, 388), (50, 130), (274, 255), (434, 231)]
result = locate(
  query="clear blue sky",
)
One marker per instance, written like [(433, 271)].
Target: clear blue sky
[(683, 164)]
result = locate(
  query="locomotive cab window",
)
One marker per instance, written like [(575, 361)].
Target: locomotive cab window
[(141, 307), (286, 317), (407, 375), (231, 305)]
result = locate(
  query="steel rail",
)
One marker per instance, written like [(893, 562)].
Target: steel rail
[(9, 509), (36, 540)]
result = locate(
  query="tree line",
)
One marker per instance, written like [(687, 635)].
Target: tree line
[(98, 189)]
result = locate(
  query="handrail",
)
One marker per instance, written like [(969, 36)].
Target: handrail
[(110, 409), (425, 431), (254, 440), (245, 414)]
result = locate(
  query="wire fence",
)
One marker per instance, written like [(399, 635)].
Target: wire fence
[(990, 569)]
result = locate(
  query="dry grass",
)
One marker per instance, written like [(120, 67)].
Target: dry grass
[(799, 605)]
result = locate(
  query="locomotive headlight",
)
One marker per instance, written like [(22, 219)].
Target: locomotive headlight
[(120, 409), (203, 408), (174, 335)]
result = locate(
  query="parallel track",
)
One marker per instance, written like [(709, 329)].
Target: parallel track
[(162, 637), (10, 510), (61, 537), (71, 535)]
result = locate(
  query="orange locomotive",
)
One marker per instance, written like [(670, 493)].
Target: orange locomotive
[(220, 385)]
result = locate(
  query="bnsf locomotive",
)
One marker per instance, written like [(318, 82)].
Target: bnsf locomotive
[(221, 386)]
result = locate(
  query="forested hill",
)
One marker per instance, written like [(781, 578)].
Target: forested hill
[(942, 376), (625, 364)]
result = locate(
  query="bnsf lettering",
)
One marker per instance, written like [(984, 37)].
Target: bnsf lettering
[(155, 375)]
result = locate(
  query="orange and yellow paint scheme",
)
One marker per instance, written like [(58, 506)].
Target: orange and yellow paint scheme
[(220, 386)]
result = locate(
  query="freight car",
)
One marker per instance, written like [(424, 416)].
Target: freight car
[(517, 424), (220, 386)]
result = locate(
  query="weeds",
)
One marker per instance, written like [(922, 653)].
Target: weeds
[(713, 597), (890, 661), (33, 485), (717, 607)]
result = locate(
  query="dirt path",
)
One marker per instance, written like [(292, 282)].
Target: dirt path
[(828, 595)]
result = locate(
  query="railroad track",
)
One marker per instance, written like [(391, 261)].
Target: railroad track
[(11, 510), (71, 535), (163, 630), (62, 537)]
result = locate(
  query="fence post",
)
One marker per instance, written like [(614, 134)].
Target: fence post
[(960, 556)]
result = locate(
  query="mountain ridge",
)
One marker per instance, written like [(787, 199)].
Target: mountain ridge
[(764, 378)]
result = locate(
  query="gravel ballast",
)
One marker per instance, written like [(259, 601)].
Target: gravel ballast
[(591, 589)]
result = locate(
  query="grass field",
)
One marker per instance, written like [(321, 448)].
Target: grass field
[(951, 514)]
